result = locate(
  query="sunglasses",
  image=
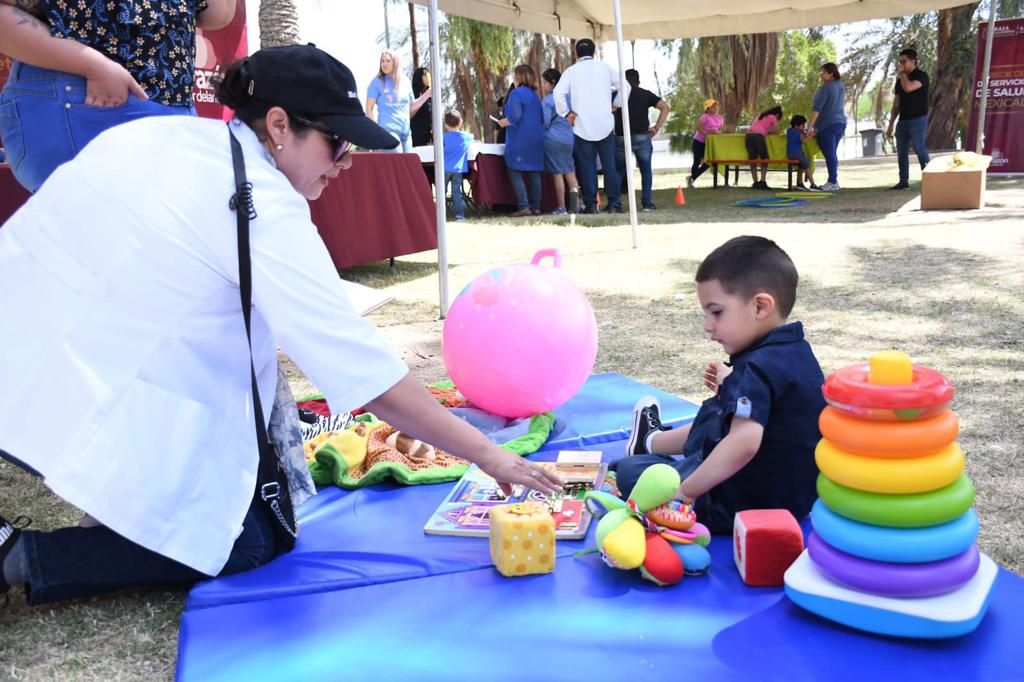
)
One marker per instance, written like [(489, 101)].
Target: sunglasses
[(341, 147)]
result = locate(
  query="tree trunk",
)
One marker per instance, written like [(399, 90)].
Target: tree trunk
[(466, 98), (415, 39), (485, 79), (279, 23), (949, 83), (735, 69), (535, 57)]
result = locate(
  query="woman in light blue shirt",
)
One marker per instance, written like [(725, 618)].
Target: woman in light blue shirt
[(558, 144), (829, 120), (389, 99)]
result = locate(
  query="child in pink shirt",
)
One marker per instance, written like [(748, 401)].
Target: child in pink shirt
[(757, 147), (708, 123)]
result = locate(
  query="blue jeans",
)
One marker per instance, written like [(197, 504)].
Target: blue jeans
[(828, 140), (456, 181), (519, 185), (911, 133), (403, 138), (585, 153), (45, 122), (643, 150), (80, 562)]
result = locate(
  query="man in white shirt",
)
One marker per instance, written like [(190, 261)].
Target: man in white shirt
[(592, 86)]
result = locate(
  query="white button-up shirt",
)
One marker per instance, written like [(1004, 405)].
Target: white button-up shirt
[(590, 84), (123, 359)]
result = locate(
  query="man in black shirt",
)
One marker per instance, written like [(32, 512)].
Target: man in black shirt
[(641, 132), (911, 105)]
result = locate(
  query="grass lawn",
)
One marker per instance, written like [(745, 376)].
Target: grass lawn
[(947, 287)]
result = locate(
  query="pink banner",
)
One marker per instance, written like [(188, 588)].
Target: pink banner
[(1004, 113)]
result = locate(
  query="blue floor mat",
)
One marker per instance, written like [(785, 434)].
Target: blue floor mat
[(583, 622)]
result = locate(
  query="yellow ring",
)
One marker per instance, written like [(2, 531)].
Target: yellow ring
[(890, 475)]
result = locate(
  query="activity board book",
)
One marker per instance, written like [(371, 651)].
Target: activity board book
[(466, 509)]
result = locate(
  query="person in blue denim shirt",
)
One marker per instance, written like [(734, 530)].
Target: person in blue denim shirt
[(752, 444), (524, 145), (641, 135), (558, 146), (910, 103), (456, 158), (86, 66)]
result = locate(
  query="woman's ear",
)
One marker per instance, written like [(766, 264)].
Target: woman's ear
[(764, 304), (277, 125)]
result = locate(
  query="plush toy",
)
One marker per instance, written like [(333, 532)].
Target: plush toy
[(650, 530)]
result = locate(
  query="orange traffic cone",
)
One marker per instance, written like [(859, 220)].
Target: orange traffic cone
[(680, 199)]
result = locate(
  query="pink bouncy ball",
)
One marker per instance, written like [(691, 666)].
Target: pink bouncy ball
[(520, 339)]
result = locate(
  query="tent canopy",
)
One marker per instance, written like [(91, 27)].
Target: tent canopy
[(646, 19)]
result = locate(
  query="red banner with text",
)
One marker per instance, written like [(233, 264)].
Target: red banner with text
[(1004, 110)]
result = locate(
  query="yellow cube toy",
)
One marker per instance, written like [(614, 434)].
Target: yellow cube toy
[(522, 539)]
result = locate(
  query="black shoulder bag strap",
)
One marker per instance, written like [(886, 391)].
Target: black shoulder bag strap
[(271, 483)]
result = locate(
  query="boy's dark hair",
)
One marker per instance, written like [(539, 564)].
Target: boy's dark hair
[(747, 265), (909, 53), (797, 120), (453, 118)]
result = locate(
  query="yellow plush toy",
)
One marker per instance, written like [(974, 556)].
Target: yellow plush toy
[(522, 539)]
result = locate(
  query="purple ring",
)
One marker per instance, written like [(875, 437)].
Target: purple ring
[(893, 580)]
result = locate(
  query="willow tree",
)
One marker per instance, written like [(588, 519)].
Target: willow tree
[(950, 82), (483, 55), (279, 23), (735, 69)]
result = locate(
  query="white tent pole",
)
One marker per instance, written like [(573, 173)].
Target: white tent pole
[(437, 107), (626, 133), (983, 105)]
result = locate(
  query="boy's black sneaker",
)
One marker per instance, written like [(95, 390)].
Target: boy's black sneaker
[(9, 533), (646, 420)]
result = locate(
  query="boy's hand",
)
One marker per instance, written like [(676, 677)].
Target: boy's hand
[(714, 374), (681, 495)]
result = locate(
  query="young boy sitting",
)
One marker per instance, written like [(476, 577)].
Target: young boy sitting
[(456, 158), (751, 446), (796, 135)]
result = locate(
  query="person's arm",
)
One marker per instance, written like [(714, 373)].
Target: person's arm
[(812, 119), (663, 110), (561, 95), (513, 112), (893, 114), (730, 455), (410, 408), (907, 84), (700, 126), (418, 103), (218, 14), (27, 39)]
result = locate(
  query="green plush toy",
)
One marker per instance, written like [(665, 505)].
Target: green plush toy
[(650, 530)]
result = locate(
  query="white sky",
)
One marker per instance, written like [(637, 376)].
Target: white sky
[(349, 31)]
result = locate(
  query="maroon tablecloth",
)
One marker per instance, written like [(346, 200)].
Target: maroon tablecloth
[(491, 185), (12, 195), (380, 208)]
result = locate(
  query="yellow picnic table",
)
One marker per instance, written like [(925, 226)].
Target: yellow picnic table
[(727, 151)]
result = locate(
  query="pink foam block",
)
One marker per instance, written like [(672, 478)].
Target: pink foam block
[(765, 543)]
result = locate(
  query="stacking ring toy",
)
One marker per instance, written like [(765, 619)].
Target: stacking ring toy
[(898, 545), (849, 390), (899, 511), (901, 581), (890, 475), (673, 514), (889, 439), (804, 195)]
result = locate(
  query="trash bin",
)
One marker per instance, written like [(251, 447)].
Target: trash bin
[(871, 142)]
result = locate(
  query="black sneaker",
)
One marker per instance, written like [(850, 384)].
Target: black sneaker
[(9, 533), (899, 186), (646, 419)]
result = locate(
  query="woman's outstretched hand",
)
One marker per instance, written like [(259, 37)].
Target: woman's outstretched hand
[(509, 469)]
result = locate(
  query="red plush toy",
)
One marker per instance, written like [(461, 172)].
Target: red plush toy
[(765, 543)]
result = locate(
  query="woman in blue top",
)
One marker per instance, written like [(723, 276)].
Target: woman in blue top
[(389, 99), (558, 144), (524, 144), (828, 119), (82, 67)]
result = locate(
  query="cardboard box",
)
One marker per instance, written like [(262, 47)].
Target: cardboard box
[(961, 188), (522, 539)]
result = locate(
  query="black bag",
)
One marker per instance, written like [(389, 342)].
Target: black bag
[(271, 482)]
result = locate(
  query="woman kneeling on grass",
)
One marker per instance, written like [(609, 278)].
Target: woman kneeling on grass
[(125, 361)]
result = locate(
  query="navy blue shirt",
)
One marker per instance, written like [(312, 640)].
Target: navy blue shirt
[(775, 382), (794, 146)]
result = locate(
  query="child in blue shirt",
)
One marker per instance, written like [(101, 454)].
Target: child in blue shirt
[(751, 446), (456, 158), (796, 135)]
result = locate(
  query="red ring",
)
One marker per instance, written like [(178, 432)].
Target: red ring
[(848, 390)]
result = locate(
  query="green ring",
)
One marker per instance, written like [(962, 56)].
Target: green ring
[(914, 510)]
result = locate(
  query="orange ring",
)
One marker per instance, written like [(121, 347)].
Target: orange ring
[(889, 439)]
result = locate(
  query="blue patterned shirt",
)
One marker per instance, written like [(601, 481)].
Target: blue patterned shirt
[(155, 40)]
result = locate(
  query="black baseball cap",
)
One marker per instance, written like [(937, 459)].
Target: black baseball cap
[(305, 80)]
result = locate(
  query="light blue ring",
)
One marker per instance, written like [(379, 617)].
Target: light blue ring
[(896, 545)]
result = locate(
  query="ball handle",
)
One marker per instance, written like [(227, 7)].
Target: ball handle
[(555, 254)]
